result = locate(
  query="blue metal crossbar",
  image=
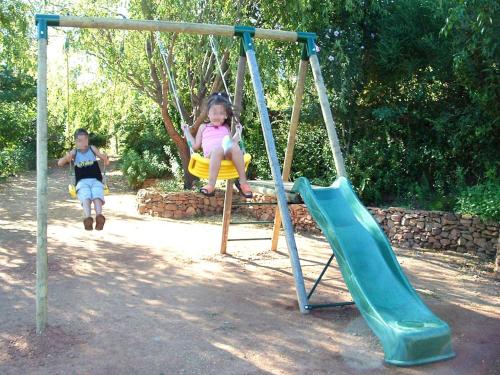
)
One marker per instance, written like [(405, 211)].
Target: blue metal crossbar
[(323, 305)]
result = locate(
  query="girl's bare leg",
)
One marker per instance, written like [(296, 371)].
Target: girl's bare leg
[(236, 156), (216, 157)]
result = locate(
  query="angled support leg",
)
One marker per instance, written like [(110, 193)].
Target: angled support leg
[(275, 169), (310, 306), (328, 116)]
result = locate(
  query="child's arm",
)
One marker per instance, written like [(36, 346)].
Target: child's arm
[(195, 142), (101, 155), (66, 158)]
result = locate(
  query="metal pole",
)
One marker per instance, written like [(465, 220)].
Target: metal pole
[(228, 198), (327, 115), (41, 182), (276, 173), (287, 164)]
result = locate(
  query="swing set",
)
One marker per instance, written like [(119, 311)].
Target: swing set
[(198, 164)]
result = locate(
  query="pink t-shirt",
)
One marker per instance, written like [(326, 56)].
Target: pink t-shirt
[(212, 137)]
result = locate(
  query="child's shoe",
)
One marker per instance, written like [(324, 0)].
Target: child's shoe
[(208, 190), (245, 190), (88, 223), (99, 222)]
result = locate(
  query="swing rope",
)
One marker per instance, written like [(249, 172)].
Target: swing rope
[(219, 65)]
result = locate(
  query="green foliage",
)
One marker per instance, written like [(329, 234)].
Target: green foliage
[(16, 159), (16, 50), (17, 90), (472, 27), (482, 200), (413, 86), (98, 140), (139, 167), (150, 155)]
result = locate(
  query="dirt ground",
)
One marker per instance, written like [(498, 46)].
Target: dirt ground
[(152, 296)]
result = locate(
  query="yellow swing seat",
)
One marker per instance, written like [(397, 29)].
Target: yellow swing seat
[(72, 191), (199, 167)]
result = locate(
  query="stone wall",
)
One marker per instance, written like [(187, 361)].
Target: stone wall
[(404, 228), (439, 230), (178, 205), (301, 219)]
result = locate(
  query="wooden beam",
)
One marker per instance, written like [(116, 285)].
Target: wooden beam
[(169, 26), (228, 197), (41, 185), (327, 116), (287, 164)]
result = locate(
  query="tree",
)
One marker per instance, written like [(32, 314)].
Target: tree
[(17, 89), (135, 57)]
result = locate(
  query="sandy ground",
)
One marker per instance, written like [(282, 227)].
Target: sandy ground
[(152, 296)]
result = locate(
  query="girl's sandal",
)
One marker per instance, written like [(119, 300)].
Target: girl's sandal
[(208, 190), (245, 190)]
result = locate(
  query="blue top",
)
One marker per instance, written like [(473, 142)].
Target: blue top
[(86, 158), (86, 165)]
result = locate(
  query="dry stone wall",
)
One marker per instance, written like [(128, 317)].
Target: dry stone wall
[(404, 228)]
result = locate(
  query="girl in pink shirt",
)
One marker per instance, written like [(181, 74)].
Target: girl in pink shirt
[(210, 137)]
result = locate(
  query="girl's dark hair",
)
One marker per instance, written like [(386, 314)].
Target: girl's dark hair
[(221, 98), (81, 131)]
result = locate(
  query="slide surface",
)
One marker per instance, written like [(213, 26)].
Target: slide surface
[(408, 330)]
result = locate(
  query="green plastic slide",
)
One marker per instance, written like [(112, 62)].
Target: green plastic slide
[(408, 330)]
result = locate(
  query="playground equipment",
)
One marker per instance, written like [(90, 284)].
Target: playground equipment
[(409, 332), (199, 166)]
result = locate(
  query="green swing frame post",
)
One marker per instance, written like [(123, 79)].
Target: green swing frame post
[(246, 34)]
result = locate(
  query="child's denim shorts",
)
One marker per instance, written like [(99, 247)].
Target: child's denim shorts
[(90, 188)]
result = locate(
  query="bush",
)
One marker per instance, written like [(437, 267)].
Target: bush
[(148, 151), (98, 140), (482, 200), (17, 159), (139, 167)]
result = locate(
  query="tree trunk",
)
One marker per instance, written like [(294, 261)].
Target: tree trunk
[(189, 179), (181, 145)]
